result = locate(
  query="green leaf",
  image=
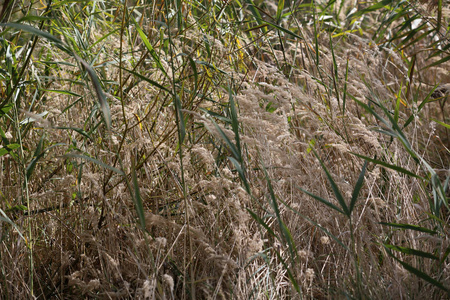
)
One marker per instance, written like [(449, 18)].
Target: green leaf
[(322, 200), (5, 109), (241, 173), (211, 66), (426, 100), (317, 225), (279, 10), (235, 124), (33, 18), (8, 149), (334, 187), (374, 7), (441, 61), (409, 226), (444, 257), (63, 92), (194, 69), (255, 12), (154, 83), (12, 146), (290, 275), (256, 27), (33, 30), (370, 111), (399, 134), (101, 164), (137, 196), (99, 91), (231, 146), (358, 187), (5, 218), (150, 48), (283, 29), (262, 223), (38, 154), (384, 164), (442, 123), (182, 125), (418, 273), (78, 130), (410, 251), (287, 237)]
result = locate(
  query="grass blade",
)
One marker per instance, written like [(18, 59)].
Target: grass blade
[(152, 82), (280, 8), (358, 187), (409, 226), (317, 225), (6, 219), (181, 120), (235, 125), (419, 273), (410, 251), (33, 30), (334, 186), (371, 8), (283, 29), (263, 224), (98, 90), (95, 161), (150, 49), (241, 173), (322, 200), (287, 237), (38, 154), (442, 123), (78, 130), (255, 13), (230, 145), (137, 196), (288, 270), (389, 166)]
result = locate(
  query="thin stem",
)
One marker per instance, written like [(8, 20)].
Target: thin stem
[(27, 197), (180, 153), (355, 260)]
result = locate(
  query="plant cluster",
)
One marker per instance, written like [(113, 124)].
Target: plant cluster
[(224, 149)]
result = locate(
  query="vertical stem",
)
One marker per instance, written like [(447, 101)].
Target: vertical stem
[(7, 8), (120, 65), (180, 153), (29, 240), (355, 260)]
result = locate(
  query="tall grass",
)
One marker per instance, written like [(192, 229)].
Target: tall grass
[(224, 149)]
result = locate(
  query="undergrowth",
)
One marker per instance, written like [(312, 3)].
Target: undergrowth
[(224, 149)]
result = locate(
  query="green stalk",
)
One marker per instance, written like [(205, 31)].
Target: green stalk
[(26, 187), (27, 61), (29, 241), (121, 94), (355, 261), (181, 134)]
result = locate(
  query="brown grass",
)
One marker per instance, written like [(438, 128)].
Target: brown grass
[(81, 228)]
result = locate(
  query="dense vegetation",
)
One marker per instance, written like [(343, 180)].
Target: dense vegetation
[(224, 149)]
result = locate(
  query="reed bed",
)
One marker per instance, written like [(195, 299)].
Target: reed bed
[(224, 150)]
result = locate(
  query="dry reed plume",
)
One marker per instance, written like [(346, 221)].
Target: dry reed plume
[(234, 132)]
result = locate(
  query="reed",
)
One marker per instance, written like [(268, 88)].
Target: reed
[(224, 150)]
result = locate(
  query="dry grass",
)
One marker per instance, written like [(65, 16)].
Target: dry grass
[(128, 212)]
